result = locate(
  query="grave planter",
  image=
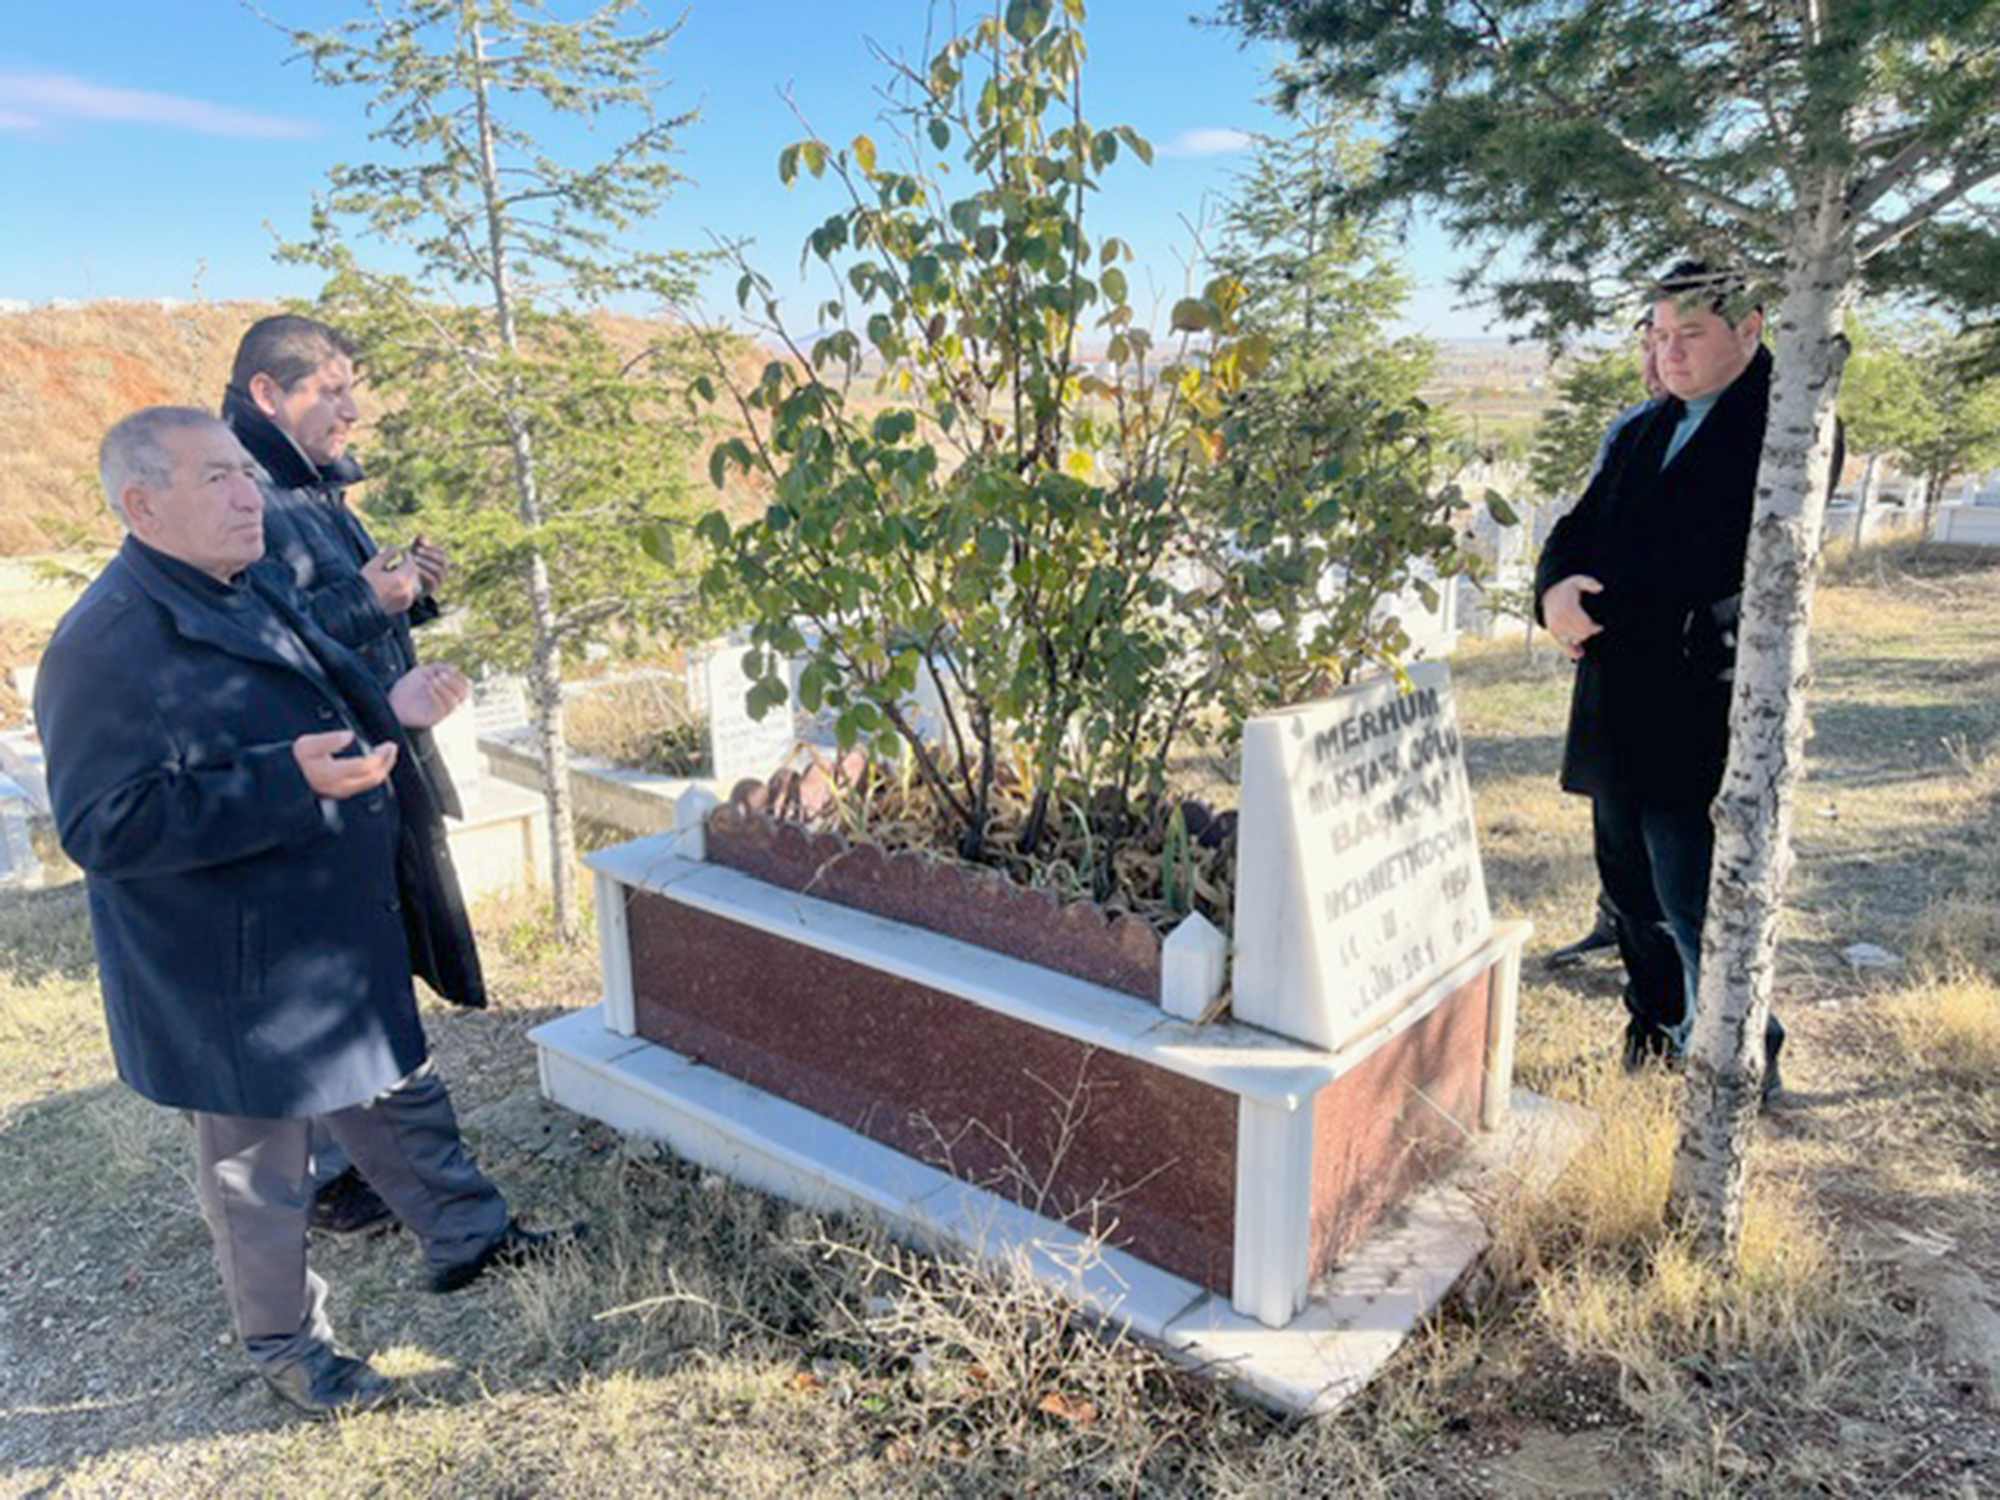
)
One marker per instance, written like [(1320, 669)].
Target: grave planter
[(850, 1056)]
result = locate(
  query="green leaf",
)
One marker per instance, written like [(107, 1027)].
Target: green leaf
[(1191, 316), (764, 695), (814, 153), (940, 132), (1500, 510), (656, 540), (1026, 19), (893, 426), (713, 529), (788, 173)]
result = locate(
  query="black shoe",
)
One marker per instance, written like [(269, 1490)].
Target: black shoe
[(1597, 940), (1774, 1081), (1646, 1046), (327, 1383), (349, 1209), (515, 1247)]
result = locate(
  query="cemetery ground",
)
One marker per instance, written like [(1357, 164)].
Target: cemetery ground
[(713, 1341)]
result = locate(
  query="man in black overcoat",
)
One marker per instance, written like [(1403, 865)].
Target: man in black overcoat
[(238, 791), (1642, 585), (291, 404)]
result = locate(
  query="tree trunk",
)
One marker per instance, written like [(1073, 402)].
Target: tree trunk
[(545, 668), (1767, 738), (1871, 486)]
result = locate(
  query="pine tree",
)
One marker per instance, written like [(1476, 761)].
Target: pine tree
[(469, 261), (1584, 144)]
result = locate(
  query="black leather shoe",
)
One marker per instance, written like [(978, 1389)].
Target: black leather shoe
[(1600, 938), (515, 1247), (327, 1383), (347, 1208)]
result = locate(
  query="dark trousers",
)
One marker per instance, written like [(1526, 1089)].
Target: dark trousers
[(1652, 864), (252, 1177)]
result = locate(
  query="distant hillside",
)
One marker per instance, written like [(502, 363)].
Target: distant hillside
[(70, 372), (73, 371)]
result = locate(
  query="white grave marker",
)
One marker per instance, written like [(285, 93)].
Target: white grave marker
[(740, 745), (1358, 876)]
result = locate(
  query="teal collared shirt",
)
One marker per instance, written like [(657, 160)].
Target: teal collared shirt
[(1691, 419)]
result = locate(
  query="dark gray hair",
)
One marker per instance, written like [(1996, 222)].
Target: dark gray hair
[(132, 452), (287, 348)]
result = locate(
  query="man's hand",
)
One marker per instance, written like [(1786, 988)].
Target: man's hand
[(431, 563), (331, 774), (395, 581), (423, 696), (1562, 608)]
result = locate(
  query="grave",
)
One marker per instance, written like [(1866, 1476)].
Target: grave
[(739, 744), (1283, 1192)]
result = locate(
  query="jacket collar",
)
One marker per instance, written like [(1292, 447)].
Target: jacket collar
[(195, 608), (267, 443), (1745, 398)]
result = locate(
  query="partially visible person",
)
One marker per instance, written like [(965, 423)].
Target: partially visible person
[(238, 790), (1642, 584), (291, 404)]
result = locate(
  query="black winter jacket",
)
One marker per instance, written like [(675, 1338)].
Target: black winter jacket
[(316, 539), (1650, 714)]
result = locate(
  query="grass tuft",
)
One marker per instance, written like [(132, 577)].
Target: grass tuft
[(1950, 1026)]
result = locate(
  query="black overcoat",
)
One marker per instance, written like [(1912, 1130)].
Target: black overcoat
[(313, 535), (254, 941), (1649, 717)]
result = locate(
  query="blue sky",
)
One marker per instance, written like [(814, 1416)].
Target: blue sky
[(152, 147)]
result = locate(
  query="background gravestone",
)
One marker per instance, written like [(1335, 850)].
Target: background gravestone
[(740, 745)]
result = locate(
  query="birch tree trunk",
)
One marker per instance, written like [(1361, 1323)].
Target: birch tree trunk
[(1871, 487), (1753, 811)]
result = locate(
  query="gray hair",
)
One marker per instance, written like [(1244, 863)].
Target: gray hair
[(132, 452)]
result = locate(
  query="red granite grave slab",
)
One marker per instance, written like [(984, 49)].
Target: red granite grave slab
[(1041, 1119), (978, 906), (1395, 1120)]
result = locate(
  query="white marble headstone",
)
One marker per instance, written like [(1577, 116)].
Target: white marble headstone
[(1358, 877), (741, 746)]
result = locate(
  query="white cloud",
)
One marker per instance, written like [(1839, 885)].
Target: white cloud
[(31, 101), (1208, 140)]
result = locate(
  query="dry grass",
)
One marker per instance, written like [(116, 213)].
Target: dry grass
[(644, 721), (1950, 1026), (712, 1340)]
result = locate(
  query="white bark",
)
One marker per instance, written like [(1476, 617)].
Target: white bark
[(1767, 737), (1871, 488)]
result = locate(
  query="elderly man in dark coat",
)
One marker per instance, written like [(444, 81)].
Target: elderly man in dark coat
[(1641, 583), (238, 791), (291, 403)]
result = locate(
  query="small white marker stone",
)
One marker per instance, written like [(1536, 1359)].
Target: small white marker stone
[(691, 810), (1193, 961)]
